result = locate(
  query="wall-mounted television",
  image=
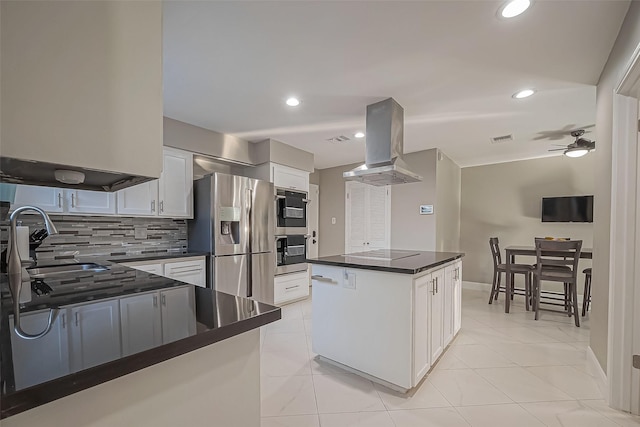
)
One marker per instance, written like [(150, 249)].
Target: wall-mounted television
[(567, 209)]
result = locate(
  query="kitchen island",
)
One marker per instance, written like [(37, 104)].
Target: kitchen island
[(130, 348), (387, 315)]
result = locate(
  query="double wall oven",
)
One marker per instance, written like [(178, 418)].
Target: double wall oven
[(291, 231)]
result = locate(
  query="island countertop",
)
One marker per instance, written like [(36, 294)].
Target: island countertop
[(211, 317), (390, 260)]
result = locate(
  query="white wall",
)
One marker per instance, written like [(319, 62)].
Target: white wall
[(627, 41), (82, 84), (409, 229), (504, 200), (217, 385)]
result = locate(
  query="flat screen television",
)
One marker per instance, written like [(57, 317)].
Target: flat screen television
[(567, 209)]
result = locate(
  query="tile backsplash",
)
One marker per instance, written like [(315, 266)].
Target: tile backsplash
[(106, 235)]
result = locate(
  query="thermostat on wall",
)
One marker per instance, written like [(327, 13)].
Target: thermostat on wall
[(426, 209)]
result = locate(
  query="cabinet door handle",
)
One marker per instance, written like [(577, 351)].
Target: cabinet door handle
[(77, 316), (73, 200), (433, 286), (153, 206), (155, 301), (323, 279), (64, 321), (291, 287), (59, 200), (161, 206), (164, 300)]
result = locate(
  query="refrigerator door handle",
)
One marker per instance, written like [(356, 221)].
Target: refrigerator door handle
[(249, 212)]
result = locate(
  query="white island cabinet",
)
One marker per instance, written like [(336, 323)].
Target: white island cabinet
[(388, 321)]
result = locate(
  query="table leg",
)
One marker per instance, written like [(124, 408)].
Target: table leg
[(508, 284)]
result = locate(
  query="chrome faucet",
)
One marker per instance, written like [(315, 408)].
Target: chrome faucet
[(14, 270)]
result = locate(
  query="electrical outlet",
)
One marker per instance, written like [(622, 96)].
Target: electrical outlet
[(140, 232), (350, 281), (333, 220)]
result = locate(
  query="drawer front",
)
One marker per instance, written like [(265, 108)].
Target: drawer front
[(149, 268), (192, 272), (290, 287)]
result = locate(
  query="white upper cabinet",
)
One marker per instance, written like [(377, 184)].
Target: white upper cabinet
[(175, 187), (171, 196), (48, 198), (141, 199), (291, 178), (367, 217), (57, 200), (94, 202)]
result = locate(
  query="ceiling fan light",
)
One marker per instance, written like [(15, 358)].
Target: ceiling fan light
[(575, 152)]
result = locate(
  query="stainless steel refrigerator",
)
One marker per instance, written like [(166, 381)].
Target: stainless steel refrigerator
[(234, 223)]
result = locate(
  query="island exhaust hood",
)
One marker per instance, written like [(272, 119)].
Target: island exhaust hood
[(384, 146)]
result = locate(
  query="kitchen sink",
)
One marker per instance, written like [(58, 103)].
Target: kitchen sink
[(56, 270)]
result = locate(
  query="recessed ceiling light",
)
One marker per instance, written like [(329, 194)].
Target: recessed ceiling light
[(525, 93), (359, 134), (514, 8), (293, 102)]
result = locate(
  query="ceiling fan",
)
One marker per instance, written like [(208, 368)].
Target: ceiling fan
[(557, 135), (579, 147)]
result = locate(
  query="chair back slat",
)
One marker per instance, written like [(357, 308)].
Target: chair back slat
[(553, 253), (495, 251)]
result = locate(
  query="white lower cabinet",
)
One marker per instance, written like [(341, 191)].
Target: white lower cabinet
[(188, 270), (421, 322), (290, 287), (178, 314), (141, 323), (448, 317), (191, 271), (43, 359), (407, 321), (157, 317), (436, 314), (457, 298), (94, 334)]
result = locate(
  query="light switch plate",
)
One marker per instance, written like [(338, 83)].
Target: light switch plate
[(333, 220), (426, 209)]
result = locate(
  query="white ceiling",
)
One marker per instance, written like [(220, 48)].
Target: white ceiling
[(452, 65)]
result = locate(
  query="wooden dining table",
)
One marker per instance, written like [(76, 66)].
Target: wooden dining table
[(513, 251)]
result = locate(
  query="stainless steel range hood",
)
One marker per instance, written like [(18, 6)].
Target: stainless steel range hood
[(384, 146)]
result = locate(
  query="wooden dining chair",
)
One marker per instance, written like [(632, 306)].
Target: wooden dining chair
[(586, 293), (550, 256), (499, 267)]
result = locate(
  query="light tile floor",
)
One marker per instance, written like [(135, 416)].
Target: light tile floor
[(501, 370)]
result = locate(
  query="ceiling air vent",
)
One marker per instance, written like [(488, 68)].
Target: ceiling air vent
[(501, 139), (340, 138)]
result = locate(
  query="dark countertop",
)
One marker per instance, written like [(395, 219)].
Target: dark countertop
[(391, 261), (207, 317)]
